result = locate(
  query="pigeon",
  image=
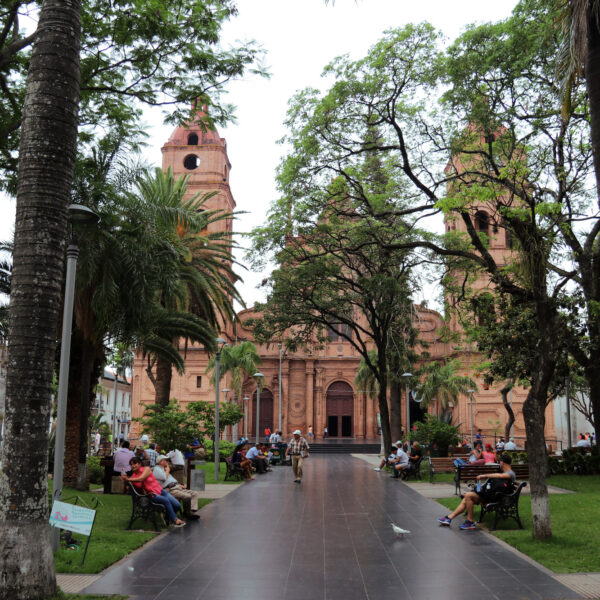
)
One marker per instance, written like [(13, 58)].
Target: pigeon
[(399, 531)]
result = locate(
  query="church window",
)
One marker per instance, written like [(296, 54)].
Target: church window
[(191, 162), (481, 221), (193, 139), (198, 381), (337, 331), (508, 237)]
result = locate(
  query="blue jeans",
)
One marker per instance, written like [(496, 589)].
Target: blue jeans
[(170, 504)]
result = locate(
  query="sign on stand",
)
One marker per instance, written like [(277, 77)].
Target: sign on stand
[(73, 518)]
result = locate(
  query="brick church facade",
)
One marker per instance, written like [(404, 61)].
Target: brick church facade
[(317, 387)]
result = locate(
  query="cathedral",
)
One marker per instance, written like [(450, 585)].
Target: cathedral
[(316, 388)]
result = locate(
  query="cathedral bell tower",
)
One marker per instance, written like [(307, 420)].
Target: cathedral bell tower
[(202, 155)]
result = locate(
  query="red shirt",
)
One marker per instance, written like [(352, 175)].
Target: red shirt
[(149, 485)]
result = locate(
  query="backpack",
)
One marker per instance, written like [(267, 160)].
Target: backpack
[(492, 487)]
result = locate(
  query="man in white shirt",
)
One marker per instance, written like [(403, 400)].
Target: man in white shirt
[(400, 463), (510, 445), (177, 465), (188, 498), (258, 460), (391, 458), (275, 438), (583, 443)]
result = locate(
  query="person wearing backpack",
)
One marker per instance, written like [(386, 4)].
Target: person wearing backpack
[(497, 483)]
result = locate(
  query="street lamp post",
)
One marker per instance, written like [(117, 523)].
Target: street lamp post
[(78, 215), (221, 343), (407, 376), (279, 410), (471, 392), (569, 433), (258, 376), (114, 427), (246, 399)]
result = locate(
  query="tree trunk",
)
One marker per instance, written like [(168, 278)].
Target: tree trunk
[(534, 413), (162, 387), (592, 78), (511, 415), (46, 162), (395, 410)]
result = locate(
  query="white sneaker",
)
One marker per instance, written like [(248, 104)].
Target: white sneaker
[(376, 469)]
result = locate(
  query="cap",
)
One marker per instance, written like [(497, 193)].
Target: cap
[(161, 457), (297, 432), (399, 443)]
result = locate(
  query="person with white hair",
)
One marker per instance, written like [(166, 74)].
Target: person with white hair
[(188, 498), (298, 448), (510, 445)]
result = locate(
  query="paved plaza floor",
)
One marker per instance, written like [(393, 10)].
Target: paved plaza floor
[(328, 538)]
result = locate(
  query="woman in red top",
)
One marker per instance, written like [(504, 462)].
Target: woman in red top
[(143, 479), (489, 455)]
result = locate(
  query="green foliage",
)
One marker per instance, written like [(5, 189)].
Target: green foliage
[(230, 413), (225, 449), (95, 471), (441, 383), (159, 53), (170, 426), (435, 431)]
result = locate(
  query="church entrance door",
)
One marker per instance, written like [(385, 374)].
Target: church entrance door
[(265, 416), (340, 409)]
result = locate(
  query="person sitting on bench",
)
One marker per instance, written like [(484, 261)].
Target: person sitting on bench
[(189, 498), (390, 459), (507, 479), (258, 460), (143, 479), (400, 463)]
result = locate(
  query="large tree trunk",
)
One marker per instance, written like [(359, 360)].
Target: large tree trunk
[(162, 385), (46, 162), (511, 415), (396, 410), (592, 78)]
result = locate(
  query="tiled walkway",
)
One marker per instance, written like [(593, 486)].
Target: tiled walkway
[(326, 539)]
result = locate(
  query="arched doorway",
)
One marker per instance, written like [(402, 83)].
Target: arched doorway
[(340, 409), (266, 413)]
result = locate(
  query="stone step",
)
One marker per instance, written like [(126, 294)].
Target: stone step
[(342, 448)]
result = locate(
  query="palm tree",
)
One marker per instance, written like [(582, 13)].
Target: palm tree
[(203, 284), (239, 361), (45, 172), (441, 385)]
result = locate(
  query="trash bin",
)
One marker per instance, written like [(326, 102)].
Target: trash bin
[(197, 476)]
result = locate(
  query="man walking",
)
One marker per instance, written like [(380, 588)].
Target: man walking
[(298, 448)]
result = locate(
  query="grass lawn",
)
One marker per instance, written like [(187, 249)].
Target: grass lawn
[(110, 541), (575, 526)]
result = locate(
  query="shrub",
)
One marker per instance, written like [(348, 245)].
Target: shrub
[(95, 471), (434, 431), (225, 449)]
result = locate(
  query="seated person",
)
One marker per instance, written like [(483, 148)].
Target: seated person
[(275, 437), (245, 464), (121, 459), (476, 456), (489, 456), (470, 499), (258, 460), (140, 452), (400, 463), (189, 498), (500, 445), (389, 460), (144, 480), (510, 445), (583, 442), (414, 457)]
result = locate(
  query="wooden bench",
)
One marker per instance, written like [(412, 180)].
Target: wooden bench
[(469, 472), (440, 464), (142, 507), (414, 470)]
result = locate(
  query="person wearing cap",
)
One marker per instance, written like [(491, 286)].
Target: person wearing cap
[(298, 448), (391, 458), (401, 462), (141, 454), (188, 498)]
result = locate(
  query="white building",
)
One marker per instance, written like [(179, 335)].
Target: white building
[(109, 406)]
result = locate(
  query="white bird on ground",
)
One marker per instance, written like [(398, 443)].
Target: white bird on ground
[(399, 531)]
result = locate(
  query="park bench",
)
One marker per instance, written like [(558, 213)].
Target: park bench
[(469, 472), (414, 470), (143, 508), (506, 506), (440, 464), (233, 470)]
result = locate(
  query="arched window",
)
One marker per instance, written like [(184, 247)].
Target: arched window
[(508, 237), (337, 329), (482, 222), (191, 162), (193, 139)]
